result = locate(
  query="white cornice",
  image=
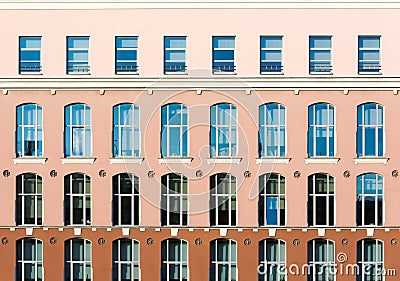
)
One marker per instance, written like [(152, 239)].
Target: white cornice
[(197, 4)]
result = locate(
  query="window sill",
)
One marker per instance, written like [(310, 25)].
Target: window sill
[(126, 160), (77, 160), (31, 73), (29, 160), (273, 160), (175, 73), (271, 73), (175, 160), (78, 73), (226, 160), (127, 73), (224, 73), (371, 160), (321, 160), (370, 73), (321, 73)]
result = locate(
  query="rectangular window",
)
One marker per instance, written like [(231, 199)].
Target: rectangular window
[(320, 54), (271, 54), (78, 55), (223, 54), (126, 49), (29, 55), (174, 55), (369, 54)]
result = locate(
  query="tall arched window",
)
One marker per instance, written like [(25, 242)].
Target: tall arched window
[(174, 260), (321, 260), (370, 130), (29, 199), (321, 200), (78, 131), (126, 131), (125, 199), (174, 200), (370, 260), (174, 132), (272, 258), (271, 199), (126, 262), (272, 130), (223, 137), (77, 199), (223, 211), (223, 261), (78, 260), (29, 260), (321, 130), (29, 130), (370, 200)]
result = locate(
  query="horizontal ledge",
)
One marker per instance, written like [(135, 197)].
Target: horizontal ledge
[(371, 160), (230, 160), (133, 160), (273, 160), (76, 160), (321, 160), (175, 160), (27, 160)]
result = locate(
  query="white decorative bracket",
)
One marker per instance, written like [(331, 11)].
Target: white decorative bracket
[(53, 92), (296, 92), (5, 92), (346, 92), (150, 92), (199, 92), (396, 92), (102, 92), (248, 92)]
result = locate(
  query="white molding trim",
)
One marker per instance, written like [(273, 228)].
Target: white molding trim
[(126, 160), (221, 160), (175, 160), (371, 160), (321, 160), (29, 160), (76, 160), (273, 160)]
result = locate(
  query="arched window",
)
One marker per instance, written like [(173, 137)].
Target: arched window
[(369, 200), (321, 260), (29, 199), (272, 260), (223, 261), (174, 200), (370, 130), (125, 200), (29, 130), (29, 260), (126, 131), (321, 130), (126, 263), (370, 260), (77, 199), (174, 134), (78, 130), (271, 199), (321, 200), (272, 130), (78, 260), (223, 211), (223, 138), (174, 260)]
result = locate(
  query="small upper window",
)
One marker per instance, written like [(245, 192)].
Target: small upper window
[(223, 54), (174, 55), (126, 49), (369, 60), (78, 55), (271, 54), (320, 54), (29, 55)]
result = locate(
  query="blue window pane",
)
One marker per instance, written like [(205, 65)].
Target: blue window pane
[(126, 42), (175, 42), (224, 42), (213, 142), (271, 42), (272, 211), (380, 141), (320, 42), (370, 143), (126, 55), (282, 142), (30, 56), (78, 42), (311, 141), (227, 55), (369, 42)]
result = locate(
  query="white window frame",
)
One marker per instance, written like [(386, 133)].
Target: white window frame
[(362, 69), (278, 265), (166, 71), (376, 195), (328, 127), (183, 130), (168, 194), (270, 69), (230, 199), (36, 262), (214, 61), (134, 198), (134, 261), (328, 264), (368, 264), (134, 66), (78, 69), (278, 127), (325, 69), (362, 126), (232, 127), (37, 197), (182, 263), (71, 127), (85, 195), (38, 127), (231, 263), (27, 49), (135, 127), (265, 178), (327, 195), (68, 247)]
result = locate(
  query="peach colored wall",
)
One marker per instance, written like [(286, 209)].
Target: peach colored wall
[(199, 25)]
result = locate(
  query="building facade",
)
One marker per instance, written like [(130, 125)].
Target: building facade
[(199, 141)]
